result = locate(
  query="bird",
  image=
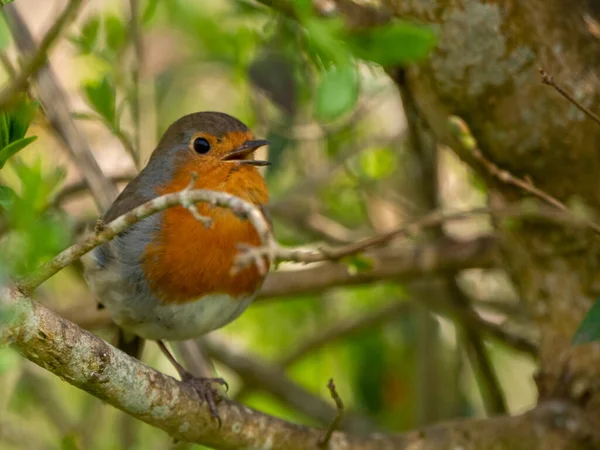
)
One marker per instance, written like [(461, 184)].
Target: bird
[(169, 277)]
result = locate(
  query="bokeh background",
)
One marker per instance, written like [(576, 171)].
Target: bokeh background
[(350, 159)]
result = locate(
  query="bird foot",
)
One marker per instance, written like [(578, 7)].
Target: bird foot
[(205, 388)]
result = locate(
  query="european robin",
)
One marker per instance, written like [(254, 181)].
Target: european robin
[(169, 277)]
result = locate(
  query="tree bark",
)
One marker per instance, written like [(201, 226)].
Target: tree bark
[(89, 363), (484, 69)]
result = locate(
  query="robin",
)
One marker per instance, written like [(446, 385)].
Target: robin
[(169, 277)]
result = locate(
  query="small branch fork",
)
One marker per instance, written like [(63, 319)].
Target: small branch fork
[(547, 79), (324, 443), (269, 247), (191, 206), (187, 198), (467, 141)]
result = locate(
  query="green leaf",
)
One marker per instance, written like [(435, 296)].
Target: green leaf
[(101, 96), (303, 8), (20, 119), (116, 33), (13, 126), (589, 328), (7, 197), (393, 44), (13, 148), (248, 8), (70, 441), (149, 11), (378, 163), (89, 34), (206, 30), (4, 130), (337, 93), (324, 42)]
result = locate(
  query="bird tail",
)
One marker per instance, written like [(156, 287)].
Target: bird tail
[(129, 343)]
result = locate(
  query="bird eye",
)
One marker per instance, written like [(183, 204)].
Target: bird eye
[(201, 145)]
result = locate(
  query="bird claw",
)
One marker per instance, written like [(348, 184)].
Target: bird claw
[(205, 389)]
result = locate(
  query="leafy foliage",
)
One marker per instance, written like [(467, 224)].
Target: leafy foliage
[(13, 126), (395, 44), (34, 235), (101, 94), (337, 93)]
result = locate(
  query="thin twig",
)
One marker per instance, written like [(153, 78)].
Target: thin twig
[(429, 220), (344, 329), (116, 130), (473, 321), (490, 387), (324, 443), (108, 231), (547, 79), (55, 105), (76, 188), (462, 131), (269, 246), (7, 65), (34, 63), (272, 379), (126, 141), (191, 206), (136, 37), (335, 254), (468, 142)]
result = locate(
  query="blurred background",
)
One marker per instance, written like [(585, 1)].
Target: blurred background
[(424, 328)]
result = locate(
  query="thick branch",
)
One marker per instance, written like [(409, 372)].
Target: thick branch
[(91, 364)]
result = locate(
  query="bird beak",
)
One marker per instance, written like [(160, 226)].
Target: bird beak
[(247, 148)]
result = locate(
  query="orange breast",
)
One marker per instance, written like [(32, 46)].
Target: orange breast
[(186, 260)]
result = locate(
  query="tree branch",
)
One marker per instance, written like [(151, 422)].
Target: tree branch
[(136, 37), (344, 329), (58, 112), (91, 364), (186, 198), (392, 263), (37, 60), (547, 79), (338, 417)]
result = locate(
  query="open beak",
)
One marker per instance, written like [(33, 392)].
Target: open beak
[(246, 149)]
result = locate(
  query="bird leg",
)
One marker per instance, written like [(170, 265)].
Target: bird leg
[(203, 386)]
